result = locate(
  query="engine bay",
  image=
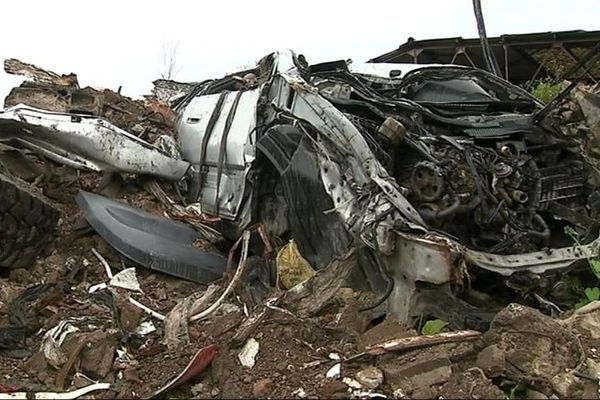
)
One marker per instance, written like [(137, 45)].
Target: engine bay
[(465, 150)]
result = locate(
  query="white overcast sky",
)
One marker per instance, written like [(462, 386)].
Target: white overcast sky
[(109, 43)]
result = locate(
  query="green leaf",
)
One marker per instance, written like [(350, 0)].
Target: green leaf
[(595, 266), (433, 326), (592, 294), (581, 303)]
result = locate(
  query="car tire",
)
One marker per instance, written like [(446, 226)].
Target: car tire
[(27, 222)]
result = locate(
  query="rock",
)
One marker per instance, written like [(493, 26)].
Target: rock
[(567, 385), (586, 320), (534, 394), (261, 387), (424, 392), (247, 356), (198, 389), (20, 275), (534, 345), (351, 383), (129, 315), (567, 115), (351, 320), (300, 393), (97, 356), (36, 365), (593, 368), (370, 377), (130, 374), (491, 361), (420, 373), (434, 376), (470, 384), (223, 323), (332, 387), (345, 294)]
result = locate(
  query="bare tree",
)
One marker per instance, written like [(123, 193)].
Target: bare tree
[(169, 68)]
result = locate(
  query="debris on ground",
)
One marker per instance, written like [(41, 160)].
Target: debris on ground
[(298, 231)]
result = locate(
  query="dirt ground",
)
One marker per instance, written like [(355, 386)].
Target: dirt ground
[(524, 351)]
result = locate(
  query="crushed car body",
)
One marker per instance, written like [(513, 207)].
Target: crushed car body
[(85, 142), (439, 175), (433, 171)]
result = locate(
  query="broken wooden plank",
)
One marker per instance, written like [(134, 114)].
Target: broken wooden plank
[(416, 342)]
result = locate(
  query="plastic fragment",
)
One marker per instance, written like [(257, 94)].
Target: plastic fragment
[(292, 268)]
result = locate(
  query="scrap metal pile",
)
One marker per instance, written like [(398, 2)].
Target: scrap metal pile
[(316, 200)]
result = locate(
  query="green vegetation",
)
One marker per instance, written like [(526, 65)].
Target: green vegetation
[(433, 326), (544, 90), (591, 293)]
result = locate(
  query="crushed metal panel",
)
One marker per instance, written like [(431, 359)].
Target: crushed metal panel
[(239, 150), (85, 142), (333, 125), (416, 260), (150, 240), (536, 262)]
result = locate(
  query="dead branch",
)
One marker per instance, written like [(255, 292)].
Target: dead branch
[(169, 61), (104, 263), (238, 274)]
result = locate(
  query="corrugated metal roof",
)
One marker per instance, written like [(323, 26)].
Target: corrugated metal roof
[(520, 56)]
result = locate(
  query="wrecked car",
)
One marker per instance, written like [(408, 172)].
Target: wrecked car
[(456, 195)]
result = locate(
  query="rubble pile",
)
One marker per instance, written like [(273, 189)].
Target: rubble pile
[(578, 117), (49, 91), (75, 338), (173, 272), (165, 90)]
